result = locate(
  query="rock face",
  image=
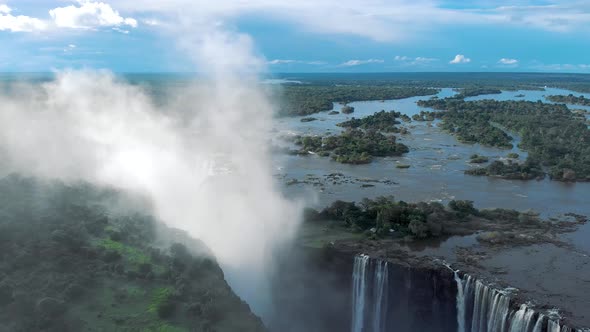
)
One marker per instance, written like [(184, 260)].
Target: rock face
[(417, 299), (319, 286)]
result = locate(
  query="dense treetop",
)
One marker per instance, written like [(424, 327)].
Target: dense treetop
[(570, 99), (554, 136)]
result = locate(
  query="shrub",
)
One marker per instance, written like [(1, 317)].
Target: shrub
[(162, 302)]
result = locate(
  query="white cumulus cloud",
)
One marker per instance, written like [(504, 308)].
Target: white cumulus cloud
[(459, 58), (20, 23), (351, 63), (89, 15), (507, 61)]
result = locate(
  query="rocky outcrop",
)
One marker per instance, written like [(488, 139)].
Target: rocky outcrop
[(317, 284)]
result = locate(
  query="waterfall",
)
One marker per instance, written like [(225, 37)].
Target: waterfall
[(481, 308), (499, 313), (539, 324), (522, 321), (553, 326), (370, 281), (460, 303), (359, 292), (380, 296), (490, 309)]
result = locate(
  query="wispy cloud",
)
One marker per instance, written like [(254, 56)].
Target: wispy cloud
[(289, 61), (507, 61), (459, 59), (423, 59), (410, 61), (280, 62), (70, 48), (351, 63), (382, 20)]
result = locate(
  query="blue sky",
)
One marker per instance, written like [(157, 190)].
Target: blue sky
[(300, 36)]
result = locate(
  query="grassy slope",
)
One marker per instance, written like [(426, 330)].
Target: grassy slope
[(67, 264)]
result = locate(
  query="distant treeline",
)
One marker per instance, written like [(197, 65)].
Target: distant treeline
[(501, 81), (309, 99)]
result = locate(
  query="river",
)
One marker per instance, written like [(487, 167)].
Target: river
[(437, 162)]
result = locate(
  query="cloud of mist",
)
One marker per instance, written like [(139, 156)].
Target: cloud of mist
[(202, 157)]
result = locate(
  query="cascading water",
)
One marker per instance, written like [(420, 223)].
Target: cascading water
[(481, 308), (522, 321), (380, 296), (539, 324), (488, 309), (553, 326), (460, 302), (359, 292), (370, 280)]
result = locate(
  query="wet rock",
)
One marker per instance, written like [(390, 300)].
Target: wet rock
[(308, 119), (569, 175)]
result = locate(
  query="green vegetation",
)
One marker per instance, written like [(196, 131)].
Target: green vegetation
[(380, 121), (309, 99), (468, 127), (162, 302), (513, 155), (570, 99), (353, 146), (554, 137), (477, 159), (383, 216), (132, 255), (70, 264), (476, 91), (424, 116), (510, 170)]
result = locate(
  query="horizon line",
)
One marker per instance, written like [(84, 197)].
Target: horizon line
[(310, 72)]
